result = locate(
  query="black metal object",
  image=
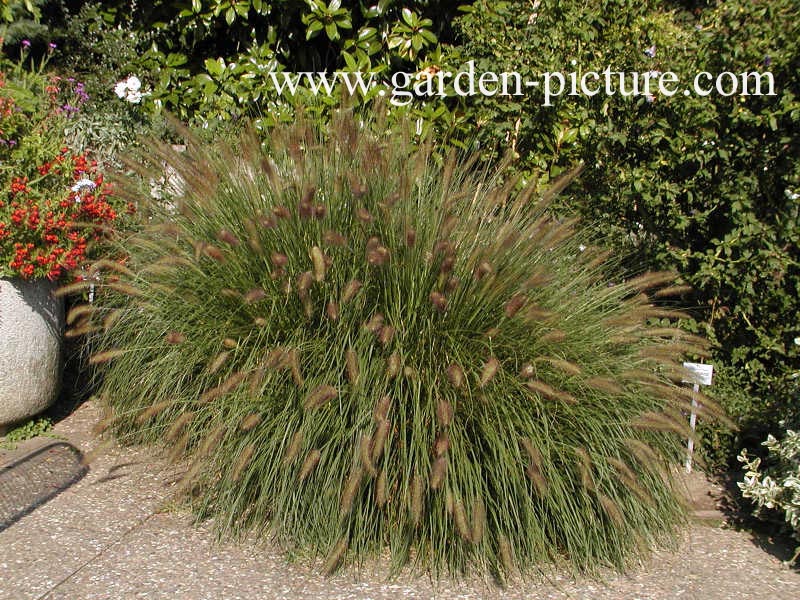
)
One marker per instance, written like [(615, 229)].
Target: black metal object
[(33, 479)]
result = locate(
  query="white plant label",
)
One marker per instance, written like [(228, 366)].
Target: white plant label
[(697, 374)]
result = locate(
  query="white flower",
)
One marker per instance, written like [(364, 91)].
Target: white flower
[(83, 184), (130, 89), (121, 89), (797, 341)]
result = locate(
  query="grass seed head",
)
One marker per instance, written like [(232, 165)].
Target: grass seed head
[(478, 521), (281, 212), (553, 336), (319, 396), (611, 510), (212, 440), (318, 262), (438, 472), (254, 295), (350, 490), (565, 366), (514, 304), (278, 259), (386, 335), (417, 499), (604, 384), (673, 290), (483, 269), (451, 285), (444, 413), (585, 469), (374, 323), (350, 290), (76, 312), (214, 253), (267, 221), (549, 392), (455, 375), (382, 407), (178, 426), (438, 300), (379, 440), (293, 360), (506, 555), (460, 518), (363, 215), (365, 454), (651, 280), (304, 282), (332, 310), (227, 237), (151, 411), (334, 239), (489, 370), (293, 447), (250, 422), (381, 492), (351, 361), (335, 557), (309, 464), (442, 444), (216, 363), (527, 371), (242, 462), (106, 356)]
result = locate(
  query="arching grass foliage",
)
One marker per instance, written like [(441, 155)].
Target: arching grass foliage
[(356, 348)]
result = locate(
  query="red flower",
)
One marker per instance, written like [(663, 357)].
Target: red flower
[(45, 226)]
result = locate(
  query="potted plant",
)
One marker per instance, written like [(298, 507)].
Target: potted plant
[(54, 206)]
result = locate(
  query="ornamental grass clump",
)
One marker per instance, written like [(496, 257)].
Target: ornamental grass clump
[(357, 351)]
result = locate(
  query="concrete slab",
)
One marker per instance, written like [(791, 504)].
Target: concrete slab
[(107, 538)]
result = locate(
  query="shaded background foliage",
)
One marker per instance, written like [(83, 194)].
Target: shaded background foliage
[(703, 185)]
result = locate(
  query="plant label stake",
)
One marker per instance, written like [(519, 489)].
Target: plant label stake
[(697, 374)]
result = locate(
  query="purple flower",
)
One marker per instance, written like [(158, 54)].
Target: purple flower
[(51, 46), (26, 43), (80, 92), (651, 51), (767, 60)]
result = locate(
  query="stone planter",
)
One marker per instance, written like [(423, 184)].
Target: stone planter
[(31, 328)]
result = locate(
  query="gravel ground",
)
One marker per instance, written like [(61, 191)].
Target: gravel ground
[(108, 537)]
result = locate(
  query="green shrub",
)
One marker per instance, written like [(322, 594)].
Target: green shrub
[(776, 487), (707, 186), (356, 349), (209, 61)]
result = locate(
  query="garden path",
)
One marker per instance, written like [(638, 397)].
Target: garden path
[(112, 536)]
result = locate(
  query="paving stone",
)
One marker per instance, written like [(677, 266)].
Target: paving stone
[(108, 537)]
